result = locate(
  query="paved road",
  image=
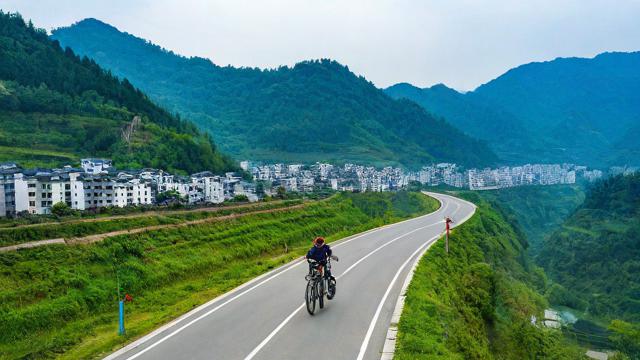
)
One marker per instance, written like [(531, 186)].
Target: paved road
[(266, 318)]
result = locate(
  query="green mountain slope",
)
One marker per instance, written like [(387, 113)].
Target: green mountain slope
[(569, 109), (476, 302), (596, 254), (56, 107), (539, 210), (315, 110), (502, 131)]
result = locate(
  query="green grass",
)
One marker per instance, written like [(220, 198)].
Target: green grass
[(69, 229), (476, 301), (60, 301), (30, 158)]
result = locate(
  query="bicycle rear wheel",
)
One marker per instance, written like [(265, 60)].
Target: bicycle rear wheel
[(310, 297)]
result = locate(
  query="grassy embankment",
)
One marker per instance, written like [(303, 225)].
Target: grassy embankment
[(61, 300), (83, 227), (477, 301)]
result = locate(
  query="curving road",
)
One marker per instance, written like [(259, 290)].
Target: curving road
[(266, 318)]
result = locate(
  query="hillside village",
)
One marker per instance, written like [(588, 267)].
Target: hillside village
[(97, 183), (352, 177)]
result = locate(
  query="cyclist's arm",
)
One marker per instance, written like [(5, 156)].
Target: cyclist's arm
[(309, 253)]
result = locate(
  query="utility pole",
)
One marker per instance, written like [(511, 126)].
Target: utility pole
[(446, 243)]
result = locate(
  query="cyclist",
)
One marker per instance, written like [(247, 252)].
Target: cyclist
[(320, 252)]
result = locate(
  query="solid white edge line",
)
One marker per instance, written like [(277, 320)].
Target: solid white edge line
[(389, 347), (286, 320), (374, 320), (278, 271)]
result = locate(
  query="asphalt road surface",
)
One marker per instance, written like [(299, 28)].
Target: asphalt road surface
[(266, 318)]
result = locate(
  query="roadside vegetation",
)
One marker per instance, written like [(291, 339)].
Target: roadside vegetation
[(61, 301), (477, 301), (84, 227)]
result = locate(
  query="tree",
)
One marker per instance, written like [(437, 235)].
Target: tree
[(171, 196), (61, 209), (240, 198), (626, 337), (260, 189)]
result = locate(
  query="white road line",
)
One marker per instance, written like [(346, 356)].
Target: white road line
[(286, 320), (209, 313), (389, 347), (273, 333), (141, 352), (367, 337), (385, 244)]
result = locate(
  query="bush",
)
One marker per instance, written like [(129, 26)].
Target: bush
[(61, 209)]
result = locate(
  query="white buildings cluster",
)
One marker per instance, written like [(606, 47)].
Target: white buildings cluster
[(307, 178), (99, 184), (443, 173), (536, 174), (351, 177)]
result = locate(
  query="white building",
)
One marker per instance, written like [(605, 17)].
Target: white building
[(96, 166), (205, 187), (46, 189), (104, 190), (13, 195), (289, 184)]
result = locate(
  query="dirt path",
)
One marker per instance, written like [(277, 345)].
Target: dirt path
[(144, 214), (99, 237)]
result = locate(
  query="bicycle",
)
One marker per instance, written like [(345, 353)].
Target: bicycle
[(317, 283)]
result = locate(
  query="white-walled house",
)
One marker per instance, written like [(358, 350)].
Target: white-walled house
[(205, 187), (13, 196), (45, 189), (105, 190), (96, 166)]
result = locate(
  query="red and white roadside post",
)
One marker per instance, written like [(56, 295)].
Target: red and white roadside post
[(446, 243)]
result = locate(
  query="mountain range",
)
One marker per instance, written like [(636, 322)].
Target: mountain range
[(577, 110), (314, 111), (56, 107)]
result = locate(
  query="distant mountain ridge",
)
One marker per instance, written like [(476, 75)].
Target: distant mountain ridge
[(314, 111), (56, 107), (568, 109)]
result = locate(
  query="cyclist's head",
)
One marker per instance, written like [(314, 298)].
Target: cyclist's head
[(319, 241)]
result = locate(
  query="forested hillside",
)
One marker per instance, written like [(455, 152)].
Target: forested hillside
[(501, 130), (567, 110), (313, 111), (596, 254), (539, 210), (56, 107), (476, 302)]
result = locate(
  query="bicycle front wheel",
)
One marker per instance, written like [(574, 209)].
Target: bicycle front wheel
[(310, 297), (321, 293)]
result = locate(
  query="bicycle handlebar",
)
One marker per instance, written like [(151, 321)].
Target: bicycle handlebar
[(332, 257)]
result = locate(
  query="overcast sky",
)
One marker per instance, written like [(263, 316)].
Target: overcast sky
[(462, 43)]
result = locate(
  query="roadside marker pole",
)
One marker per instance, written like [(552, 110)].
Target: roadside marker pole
[(446, 243), (121, 322)]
